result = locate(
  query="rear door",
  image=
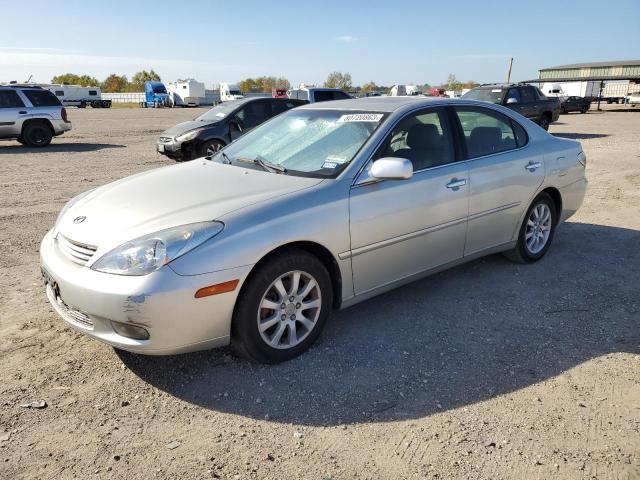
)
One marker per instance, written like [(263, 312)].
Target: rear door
[(529, 102), (12, 111), (504, 174)]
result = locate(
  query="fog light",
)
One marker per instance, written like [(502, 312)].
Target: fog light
[(130, 331)]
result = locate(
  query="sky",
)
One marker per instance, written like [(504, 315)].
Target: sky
[(388, 42)]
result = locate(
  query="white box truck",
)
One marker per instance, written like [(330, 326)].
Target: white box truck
[(589, 89), (186, 93), (229, 91), (77, 96)]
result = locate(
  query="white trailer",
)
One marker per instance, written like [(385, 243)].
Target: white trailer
[(589, 89), (77, 96), (186, 93)]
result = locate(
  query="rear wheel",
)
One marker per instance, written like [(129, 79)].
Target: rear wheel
[(82, 105), (536, 232), (282, 308), (37, 134), (544, 121)]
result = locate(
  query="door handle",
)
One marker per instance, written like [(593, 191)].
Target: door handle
[(22, 112), (533, 166), (455, 184)]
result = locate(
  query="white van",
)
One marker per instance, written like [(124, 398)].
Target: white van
[(186, 93)]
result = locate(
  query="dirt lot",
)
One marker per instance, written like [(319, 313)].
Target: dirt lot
[(490, 370)]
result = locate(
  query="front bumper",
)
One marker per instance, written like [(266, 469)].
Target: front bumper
[(169, 147), (162, 302)]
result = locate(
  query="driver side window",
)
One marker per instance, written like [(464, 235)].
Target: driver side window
[(424, 138)]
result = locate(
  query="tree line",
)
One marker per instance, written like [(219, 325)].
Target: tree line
[(264, 84), (113, 83)]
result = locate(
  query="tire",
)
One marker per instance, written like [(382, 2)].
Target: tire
[(37, 134), (563, 110), (210, 148), (82, 105), (544, 121), (284, 334), (583, 111), (529, 251)]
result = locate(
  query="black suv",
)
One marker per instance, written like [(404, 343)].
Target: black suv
[(221, 125), (31, 115)]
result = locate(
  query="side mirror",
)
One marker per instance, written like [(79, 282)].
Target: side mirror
[(392, 168), (512, 100)]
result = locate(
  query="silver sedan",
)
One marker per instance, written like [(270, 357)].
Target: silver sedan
[(319, 208)]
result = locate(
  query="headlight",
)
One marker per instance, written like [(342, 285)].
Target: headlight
[(187, 136), (70, 204), (147, 254)]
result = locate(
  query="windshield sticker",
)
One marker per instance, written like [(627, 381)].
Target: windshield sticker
[(220, 114), (360, 117), (496, 90), (336, 159), (329, 165)]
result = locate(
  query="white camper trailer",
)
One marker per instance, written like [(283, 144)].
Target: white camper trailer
[(77, 96), (404, 90), (186, 93), (229, 91)]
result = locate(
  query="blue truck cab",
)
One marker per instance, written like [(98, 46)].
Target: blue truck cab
[(155, 94)]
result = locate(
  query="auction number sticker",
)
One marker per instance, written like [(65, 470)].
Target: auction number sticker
[(361, 117)]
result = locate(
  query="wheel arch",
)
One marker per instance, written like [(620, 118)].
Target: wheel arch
[(31, 121), (321, 253), (555, 195)]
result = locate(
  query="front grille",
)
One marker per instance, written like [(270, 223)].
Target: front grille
[(77, 252), (69, 314)]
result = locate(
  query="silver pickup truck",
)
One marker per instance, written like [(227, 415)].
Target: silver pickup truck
[(31, 115)]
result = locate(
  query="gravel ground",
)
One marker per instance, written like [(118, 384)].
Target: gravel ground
[(490, 370)]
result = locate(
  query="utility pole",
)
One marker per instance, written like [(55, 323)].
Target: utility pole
[(509, 72)]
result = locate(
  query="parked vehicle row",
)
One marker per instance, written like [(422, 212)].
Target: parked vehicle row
[(32, 115), (318, 208), (527, 100)]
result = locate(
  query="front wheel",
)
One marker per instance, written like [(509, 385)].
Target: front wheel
[(282, 307), (536, 232), (210, 148)]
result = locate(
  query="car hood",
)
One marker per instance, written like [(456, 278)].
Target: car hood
[(185, 127), (192, 192)]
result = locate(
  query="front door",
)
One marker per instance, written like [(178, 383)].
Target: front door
[(403, 227), (504, 174)]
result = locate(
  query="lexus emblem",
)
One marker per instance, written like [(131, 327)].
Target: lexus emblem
[(79, 219)]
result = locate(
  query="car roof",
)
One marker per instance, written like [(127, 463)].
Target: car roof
[(379, 104)]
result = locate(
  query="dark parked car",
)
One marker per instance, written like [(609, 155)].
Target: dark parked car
[(575, 104), (219, 126), (527, 100)]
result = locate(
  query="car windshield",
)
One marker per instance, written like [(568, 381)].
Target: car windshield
[(308, 142), (493, 95), (219, 111)]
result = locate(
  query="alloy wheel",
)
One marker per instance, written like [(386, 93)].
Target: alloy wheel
[(538, 228), (289, 309), (213, 149)]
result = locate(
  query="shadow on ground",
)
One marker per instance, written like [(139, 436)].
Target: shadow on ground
[(58, 147), (579, 136), (480, 330)]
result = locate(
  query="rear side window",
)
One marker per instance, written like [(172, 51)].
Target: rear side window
[(283, 106), (59, 93), (340, 96), (486, 132), (94, 93), (521, 134), (42, 98), (10, 99), (323, 96)]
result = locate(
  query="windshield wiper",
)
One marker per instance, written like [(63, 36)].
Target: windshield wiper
[(265, 164)]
